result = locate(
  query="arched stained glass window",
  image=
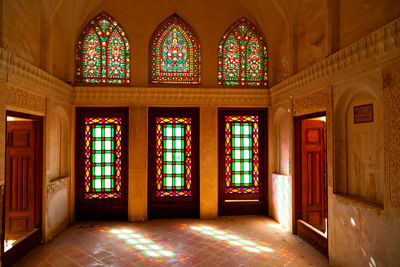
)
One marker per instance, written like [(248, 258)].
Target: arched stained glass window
[(242, 57), (175, 53), (103, 55)]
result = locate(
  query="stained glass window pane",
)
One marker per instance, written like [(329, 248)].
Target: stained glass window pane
[(242, 57), (173, 157), (102, 158), (241, 154), (175, 53), (103, 53)]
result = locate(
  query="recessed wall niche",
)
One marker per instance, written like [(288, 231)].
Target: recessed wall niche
[(359, 149)]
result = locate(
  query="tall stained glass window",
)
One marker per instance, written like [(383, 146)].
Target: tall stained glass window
[(173, 157), (102, 158), (103, 55), (241, 154), (175, 53), (242, 56)]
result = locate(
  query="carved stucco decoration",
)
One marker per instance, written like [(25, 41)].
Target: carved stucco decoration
[(57, 185), (391, 99), (314, 102), (24, 99)]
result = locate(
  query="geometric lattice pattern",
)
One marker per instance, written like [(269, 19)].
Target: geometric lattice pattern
[(175, 53), (173, 157), (102, 158), (242, 56), (103, 53), (241, 154)]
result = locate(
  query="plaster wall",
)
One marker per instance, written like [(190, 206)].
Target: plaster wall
[(358, 18)]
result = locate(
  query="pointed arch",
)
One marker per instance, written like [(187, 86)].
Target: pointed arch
[(242, 56), (103, 53), (175, 53)]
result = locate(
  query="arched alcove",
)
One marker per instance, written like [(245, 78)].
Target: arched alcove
[(359, 143), (280, 141)]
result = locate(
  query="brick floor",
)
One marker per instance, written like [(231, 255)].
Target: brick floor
[(226, 241)]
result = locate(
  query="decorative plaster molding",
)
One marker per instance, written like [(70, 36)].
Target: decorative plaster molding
[(16, 71), (25, 99), (371, 51), (391, 100), (173, 96), (57, 185)]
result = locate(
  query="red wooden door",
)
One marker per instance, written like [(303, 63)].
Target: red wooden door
[(20, 178), (313, 173)]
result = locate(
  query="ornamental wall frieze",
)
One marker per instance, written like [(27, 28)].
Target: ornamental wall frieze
[(18, 72), (172, 96), (26, 100)]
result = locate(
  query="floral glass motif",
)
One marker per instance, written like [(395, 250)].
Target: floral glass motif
[(103, 53), (175, 53), (102, 158), (241, 154), (242, 56), (173, 157)]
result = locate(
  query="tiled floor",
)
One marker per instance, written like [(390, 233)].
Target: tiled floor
[(227, 241)]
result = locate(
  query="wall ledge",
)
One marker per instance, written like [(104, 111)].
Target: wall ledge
[(20, 73)]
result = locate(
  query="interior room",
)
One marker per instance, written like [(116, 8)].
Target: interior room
[(215, 132)]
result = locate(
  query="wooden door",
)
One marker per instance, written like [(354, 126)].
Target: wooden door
[(242, 146), (20, 178), (313, 173), (173, 188), (101, 163)]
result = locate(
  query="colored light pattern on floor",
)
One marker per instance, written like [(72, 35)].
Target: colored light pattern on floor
[(142, 244), (232, 239)]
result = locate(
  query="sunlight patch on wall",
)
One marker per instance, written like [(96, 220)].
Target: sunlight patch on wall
[(282, 199)]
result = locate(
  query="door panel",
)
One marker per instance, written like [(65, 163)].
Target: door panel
[(173, 162), (242, 161), (20, 178), (101, 163), (313, 176)]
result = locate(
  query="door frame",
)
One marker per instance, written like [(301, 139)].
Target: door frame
[(243, 208), (305, 231), (174, 207), (84, 211), (35, 239)]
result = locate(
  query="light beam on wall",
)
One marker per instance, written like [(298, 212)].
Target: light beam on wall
[(282, 199)]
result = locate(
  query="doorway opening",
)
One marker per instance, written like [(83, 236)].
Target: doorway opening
[(310, 192), (22, 209)]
